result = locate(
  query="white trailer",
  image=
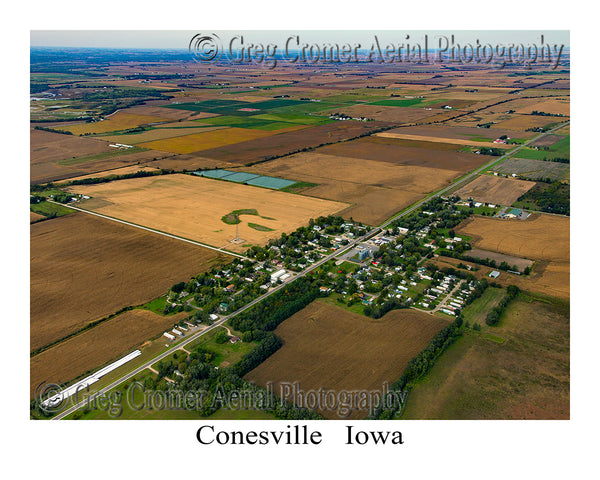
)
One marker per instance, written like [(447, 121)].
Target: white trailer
[(169, 336)]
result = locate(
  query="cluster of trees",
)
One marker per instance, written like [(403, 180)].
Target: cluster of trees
[(420, 365), (279, 306), (197, 372), (494, 152), (111, 178), (380, 310), (493, 317), (554, 198), (546, 114), (53, 130)]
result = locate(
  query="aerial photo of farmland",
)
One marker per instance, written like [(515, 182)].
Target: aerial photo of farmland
[(321, 239)]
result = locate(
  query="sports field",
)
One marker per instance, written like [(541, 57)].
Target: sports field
[(192, 207)]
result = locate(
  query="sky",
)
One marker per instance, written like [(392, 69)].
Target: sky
[(173, 39)]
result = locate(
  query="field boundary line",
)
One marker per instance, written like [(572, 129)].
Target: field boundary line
[(152, 230)]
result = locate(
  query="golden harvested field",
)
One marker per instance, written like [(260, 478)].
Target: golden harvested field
[(117, 121), (204, 141), (97, 346), (191, 207), (160, 134), (84, 268), (544, 238), (524, 377), (325, 346), (540, 237), (560, 105), (496, 190), (453, 141), (377, 190), (523, 122), (35, 217)]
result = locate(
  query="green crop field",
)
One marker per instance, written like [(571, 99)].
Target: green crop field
[(50, 209)]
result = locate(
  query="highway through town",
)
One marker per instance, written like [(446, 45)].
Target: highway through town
[(315, 265)]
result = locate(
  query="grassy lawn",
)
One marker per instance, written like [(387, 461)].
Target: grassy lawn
[(478, 310), (357, 307), (157, 305), (225, 353), (50, 209)]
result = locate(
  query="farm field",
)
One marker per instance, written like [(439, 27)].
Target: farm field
[(543, 238), (84, 268), (115, 171), (385, 113), (200, 204), (521, 263), (496, 190), (251, 151), (453, 141), (392, 151), (540, 237), (47, 147), (205, 140), (524, 377), (457, 133), (533, 169), (115, 158), (159, 134), (329, 347), (117, 121), (35, 217), (376, 190), (97, 346)]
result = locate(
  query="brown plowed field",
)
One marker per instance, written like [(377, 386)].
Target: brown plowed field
[(46, 147), (329, 347), (52, 171), (93, 348), (392, 151), (495, 190), (386, 113), (84, 268), (283, 143), (377, 190)]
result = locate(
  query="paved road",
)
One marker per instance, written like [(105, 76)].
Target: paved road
[(315, 265)]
